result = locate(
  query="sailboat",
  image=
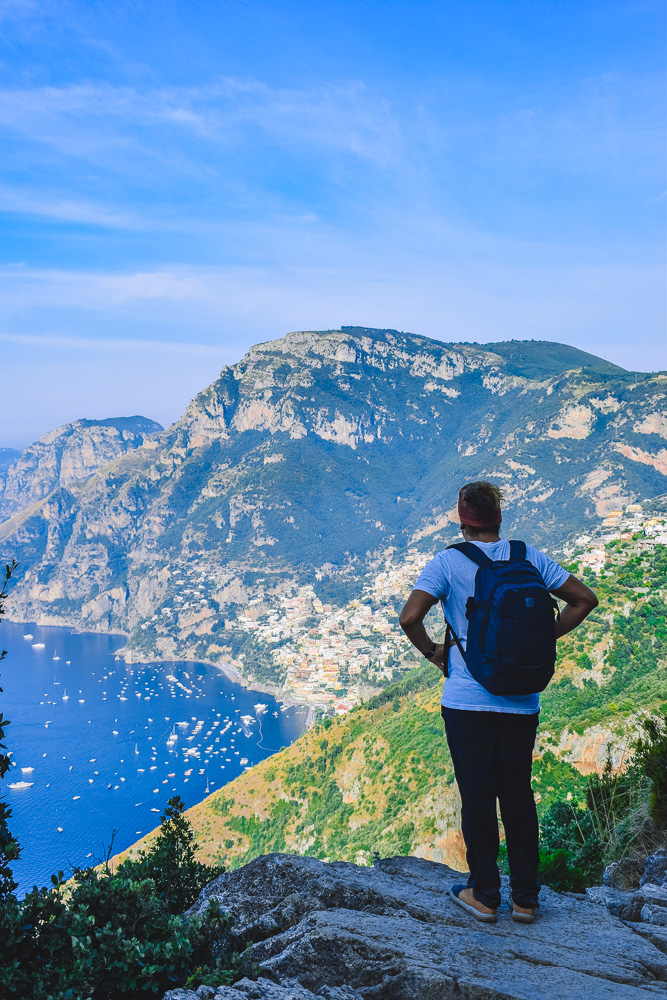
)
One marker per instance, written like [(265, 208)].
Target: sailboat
[(55, 654), (65, 695)]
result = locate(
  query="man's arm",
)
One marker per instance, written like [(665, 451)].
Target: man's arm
[(580, 601), (411, 620)]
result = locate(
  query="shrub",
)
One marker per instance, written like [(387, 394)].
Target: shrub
[(651, 759), (109, 935), (170, 863), (559, 871)]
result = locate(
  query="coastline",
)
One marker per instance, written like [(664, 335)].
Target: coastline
[(131, 656)]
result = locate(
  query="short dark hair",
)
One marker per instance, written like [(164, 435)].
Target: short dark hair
[(483, 497)]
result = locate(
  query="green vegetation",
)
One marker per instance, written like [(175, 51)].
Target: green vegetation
[(614, 814), (109, 934)]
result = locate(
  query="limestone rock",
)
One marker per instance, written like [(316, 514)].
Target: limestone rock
[(264, 989), (69, 454), (624, 874), (391, 932), (655, 869)]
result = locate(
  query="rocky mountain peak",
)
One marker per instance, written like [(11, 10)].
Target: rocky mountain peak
[(69, 454), (318, 454)]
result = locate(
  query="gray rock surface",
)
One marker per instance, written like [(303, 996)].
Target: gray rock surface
[(391, 932), (624, 874), (655, 869), (264, 989), (635, 889)]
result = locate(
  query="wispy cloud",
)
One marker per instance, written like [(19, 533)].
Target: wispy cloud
[(347, 117), (121, 346), (39, 202)]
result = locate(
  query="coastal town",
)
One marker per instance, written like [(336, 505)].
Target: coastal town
[(333, 657), (329, 654)]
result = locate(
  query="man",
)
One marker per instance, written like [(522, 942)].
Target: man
[(491, 737)]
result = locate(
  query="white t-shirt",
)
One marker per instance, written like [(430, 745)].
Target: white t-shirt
[(450, 577)]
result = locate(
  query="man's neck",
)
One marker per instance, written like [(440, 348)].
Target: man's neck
[(480, 536)]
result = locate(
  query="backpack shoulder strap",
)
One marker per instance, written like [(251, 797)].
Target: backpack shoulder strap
[(517, 551), (472, 552)]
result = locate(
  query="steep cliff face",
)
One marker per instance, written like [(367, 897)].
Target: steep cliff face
[(69, 454), (314, 457)]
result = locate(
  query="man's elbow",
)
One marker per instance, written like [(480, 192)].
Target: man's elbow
[(407, 619), (589, 602)]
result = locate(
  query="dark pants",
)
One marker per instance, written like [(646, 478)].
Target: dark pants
[(492, 753)]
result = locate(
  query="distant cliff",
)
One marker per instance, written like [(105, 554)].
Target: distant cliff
[(67, 455), (314, 460)]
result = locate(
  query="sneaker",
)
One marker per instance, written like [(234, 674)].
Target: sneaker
[(462, 895), (522, 914)]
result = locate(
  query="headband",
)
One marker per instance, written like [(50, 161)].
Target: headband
[(468, 515)]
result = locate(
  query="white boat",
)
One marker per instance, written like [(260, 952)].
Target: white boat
[(38, 645), (27, 770), (259, 707), (136, 748), (65, 695), (248, 719), (28, 635), (21, 784), (244, 760), (55, 655), (68, 662)]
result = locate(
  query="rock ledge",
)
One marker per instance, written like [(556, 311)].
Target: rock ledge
[(340, 932)]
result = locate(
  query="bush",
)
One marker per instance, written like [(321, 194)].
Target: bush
[(177, 877), (109, 935), (559, 872), (651, 759)]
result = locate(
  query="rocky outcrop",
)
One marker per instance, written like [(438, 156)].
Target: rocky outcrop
[(67, 455), (391, 932), (635, 890)]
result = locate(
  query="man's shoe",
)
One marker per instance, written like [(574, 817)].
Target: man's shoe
[(465, 898), (522, 914)]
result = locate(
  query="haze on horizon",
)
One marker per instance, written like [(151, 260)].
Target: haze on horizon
[(181, 180)]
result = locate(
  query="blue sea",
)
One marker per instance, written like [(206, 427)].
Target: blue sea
[(102, 744)]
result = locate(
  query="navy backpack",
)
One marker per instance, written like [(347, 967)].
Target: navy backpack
[(511, 646)]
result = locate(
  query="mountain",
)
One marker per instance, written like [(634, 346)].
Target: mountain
[(68, 454), (379, 779), (316, 461), (7, 457)]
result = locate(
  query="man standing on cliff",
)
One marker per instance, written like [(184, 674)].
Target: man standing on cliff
[(490, 736)]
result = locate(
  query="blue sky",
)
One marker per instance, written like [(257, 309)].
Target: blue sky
[(179, 180)]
